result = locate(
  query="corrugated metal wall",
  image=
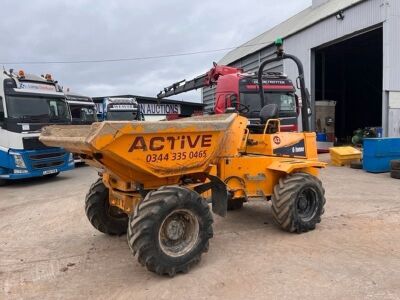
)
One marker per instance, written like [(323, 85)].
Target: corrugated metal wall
[(249, 64), (357, 18), (367, 14)]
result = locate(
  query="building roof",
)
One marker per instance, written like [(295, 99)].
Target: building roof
[(302, 20), (155, 100)]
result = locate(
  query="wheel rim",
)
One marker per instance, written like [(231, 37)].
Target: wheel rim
[(307, 204), (178, 233)]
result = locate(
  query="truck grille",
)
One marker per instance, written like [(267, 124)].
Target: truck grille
[(47, 160), (44, 165), (47, 155)]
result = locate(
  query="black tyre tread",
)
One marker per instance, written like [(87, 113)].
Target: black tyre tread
[(395, 164), (145, 219), (282, 201), (234, 204), (95, 211), (395, 174)]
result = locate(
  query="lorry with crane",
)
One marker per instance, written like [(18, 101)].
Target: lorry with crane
[(27, 104), (236, 88)]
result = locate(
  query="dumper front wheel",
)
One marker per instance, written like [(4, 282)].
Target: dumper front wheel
[(298, 202), (170, 230), (101, 215)]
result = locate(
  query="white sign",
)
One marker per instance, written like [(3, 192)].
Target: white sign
[(160, 109), (48, 172), (394, 100), (123, 107), (25, 127), (37, 86)]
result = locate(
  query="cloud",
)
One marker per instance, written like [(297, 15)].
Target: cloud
[(87, 30)]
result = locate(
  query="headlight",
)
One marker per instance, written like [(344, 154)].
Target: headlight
[(19, 161), (71, 157)]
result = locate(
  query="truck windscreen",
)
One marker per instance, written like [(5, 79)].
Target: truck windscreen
[(84, 114), (286, 101), (121, 115), (37, 109)]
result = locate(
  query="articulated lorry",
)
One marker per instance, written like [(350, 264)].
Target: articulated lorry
[(28, 103), (117, 109)]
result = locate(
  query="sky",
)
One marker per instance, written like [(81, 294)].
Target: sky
[(43, 31)]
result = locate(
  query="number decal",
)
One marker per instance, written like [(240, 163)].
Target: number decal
[(176, 156)]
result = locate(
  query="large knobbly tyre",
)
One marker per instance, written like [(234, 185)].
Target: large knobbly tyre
[(170, 230), (101, 215), (298, 202)]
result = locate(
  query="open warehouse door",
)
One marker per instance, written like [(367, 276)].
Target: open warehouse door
[(350, 72)]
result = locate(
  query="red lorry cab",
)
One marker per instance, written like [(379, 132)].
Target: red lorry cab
[(241, 90)]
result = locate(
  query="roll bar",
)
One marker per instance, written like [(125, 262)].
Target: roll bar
[(280, 55)]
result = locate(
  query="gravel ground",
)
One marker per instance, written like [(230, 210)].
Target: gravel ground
[(48, 249)]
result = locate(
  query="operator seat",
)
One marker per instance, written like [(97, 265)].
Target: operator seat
[(269, 111)]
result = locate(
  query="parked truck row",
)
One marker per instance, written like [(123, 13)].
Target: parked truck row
[(27, 104)]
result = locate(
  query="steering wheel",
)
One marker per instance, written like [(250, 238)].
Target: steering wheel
[(241, 108)]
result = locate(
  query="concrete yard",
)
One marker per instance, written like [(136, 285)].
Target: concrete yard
[(48, 249)]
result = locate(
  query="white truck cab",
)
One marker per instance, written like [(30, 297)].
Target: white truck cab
[(28, 103), (83, 109), (118, 109)]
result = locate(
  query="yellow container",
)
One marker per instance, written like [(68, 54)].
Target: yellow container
[(341, 156)]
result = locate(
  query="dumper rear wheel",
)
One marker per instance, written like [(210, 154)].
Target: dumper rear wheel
[(170, 230), (298, 202), (101, 215)]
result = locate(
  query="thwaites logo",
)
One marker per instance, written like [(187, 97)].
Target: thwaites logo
[(296, 149), (277, 140), (158, 143)]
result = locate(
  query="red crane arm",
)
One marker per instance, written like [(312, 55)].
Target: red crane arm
[(208, 79)]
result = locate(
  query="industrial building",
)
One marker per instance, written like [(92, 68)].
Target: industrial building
[(349, 49)]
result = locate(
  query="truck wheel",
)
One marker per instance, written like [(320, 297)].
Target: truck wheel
[(105, 218), (170, 230), (298, 202), (235, 204), (3, 182)]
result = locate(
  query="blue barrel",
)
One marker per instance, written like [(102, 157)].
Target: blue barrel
[(321, 137), (378, 152)]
